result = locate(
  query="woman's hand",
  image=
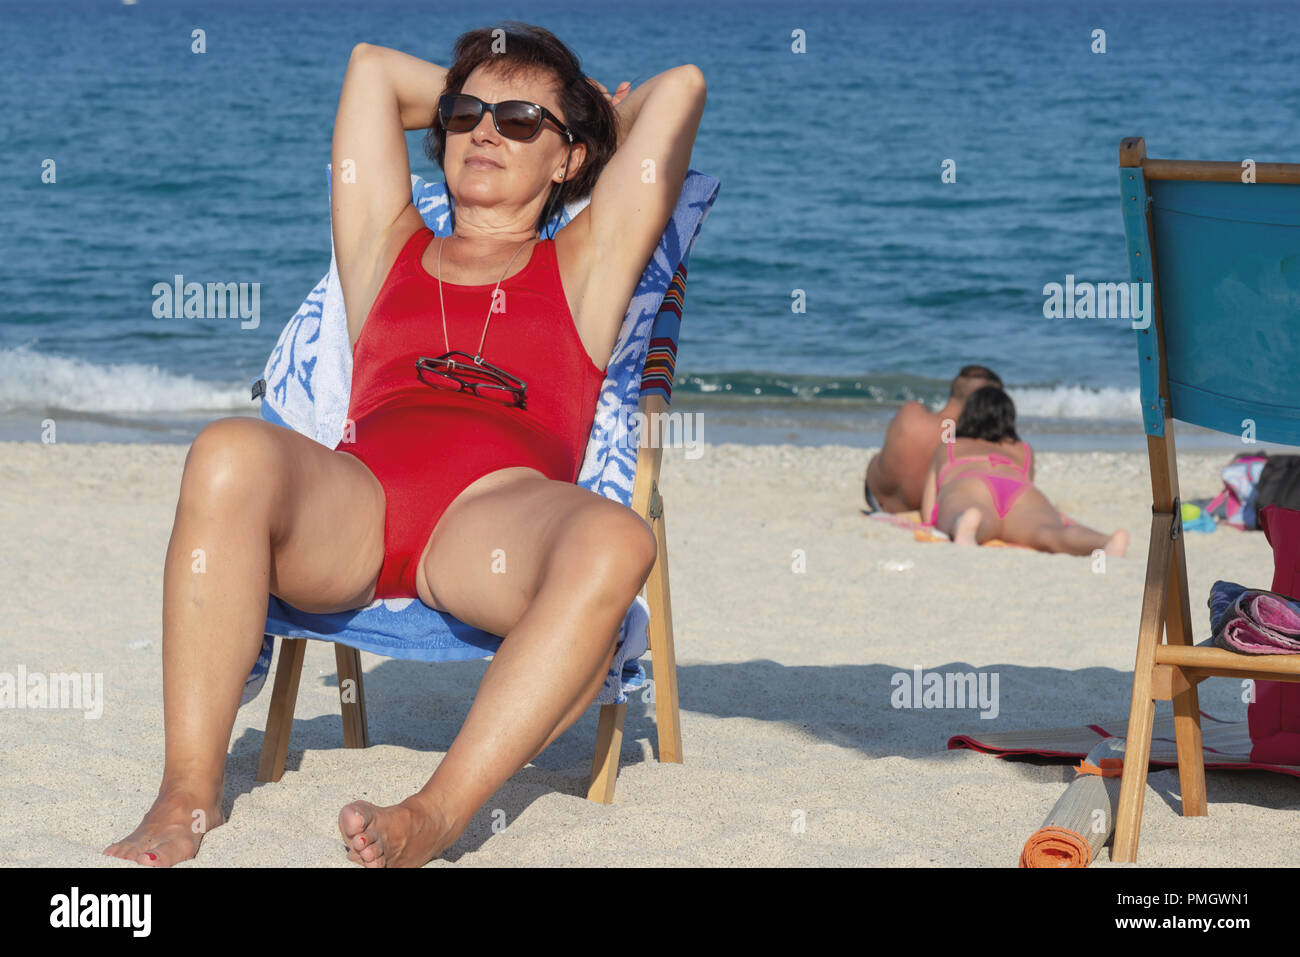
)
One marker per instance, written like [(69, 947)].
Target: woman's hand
[(618, 95)]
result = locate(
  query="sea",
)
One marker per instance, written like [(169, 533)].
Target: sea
[(900, 183)]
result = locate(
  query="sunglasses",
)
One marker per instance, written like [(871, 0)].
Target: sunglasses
[(468, 374), (514, 119)]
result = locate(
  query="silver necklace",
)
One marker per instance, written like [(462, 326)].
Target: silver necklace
[(478, 356)]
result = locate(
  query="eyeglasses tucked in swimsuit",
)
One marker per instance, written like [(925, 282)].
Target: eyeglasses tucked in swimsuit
[(514, 119), (474, 376)]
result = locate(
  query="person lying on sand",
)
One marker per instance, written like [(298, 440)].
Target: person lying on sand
[(896, 474), (980, 486)]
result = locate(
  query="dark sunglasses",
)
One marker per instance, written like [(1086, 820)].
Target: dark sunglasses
[(514, 119), (467, 374)]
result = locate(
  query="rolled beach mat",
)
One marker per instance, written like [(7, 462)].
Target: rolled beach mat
[(1081, 821)]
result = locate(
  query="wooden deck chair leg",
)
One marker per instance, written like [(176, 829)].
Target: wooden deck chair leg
[(352, 696), (662, 654), (1187, 707), (279, 719), (609, 732), (609, 744), (1137, 742)]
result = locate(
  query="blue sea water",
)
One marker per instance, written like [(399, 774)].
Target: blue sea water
[(212, 166)]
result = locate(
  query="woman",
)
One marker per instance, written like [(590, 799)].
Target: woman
[(454, 482), (980, 486)]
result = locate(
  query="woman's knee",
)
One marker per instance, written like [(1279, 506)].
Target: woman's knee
[(610, 546), (231, 458)]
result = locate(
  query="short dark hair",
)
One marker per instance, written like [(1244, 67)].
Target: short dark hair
[(583, 108), (988, 414), (962, 385)]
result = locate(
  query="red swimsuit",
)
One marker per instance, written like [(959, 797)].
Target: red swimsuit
[(426, 445)]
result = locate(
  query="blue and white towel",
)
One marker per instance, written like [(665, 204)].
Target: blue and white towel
[(308, 381)]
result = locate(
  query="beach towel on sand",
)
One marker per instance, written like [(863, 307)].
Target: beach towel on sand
[(307, 383), (1250, 745), (922, 532)]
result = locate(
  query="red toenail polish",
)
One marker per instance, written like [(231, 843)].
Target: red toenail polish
[(151, 857)]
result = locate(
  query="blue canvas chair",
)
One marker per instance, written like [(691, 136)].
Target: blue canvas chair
[(1221, 351), (306, 387)]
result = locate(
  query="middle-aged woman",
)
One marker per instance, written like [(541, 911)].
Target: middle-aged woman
[(477, 362)]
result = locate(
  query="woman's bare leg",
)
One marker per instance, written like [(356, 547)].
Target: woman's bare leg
[(966, 513), (1035, 522), (262, 510), (574, 562)]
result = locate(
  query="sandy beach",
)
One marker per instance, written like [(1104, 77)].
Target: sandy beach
[(785, 682)]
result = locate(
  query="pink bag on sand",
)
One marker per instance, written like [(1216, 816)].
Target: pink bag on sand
[(1240, 477), (1274, 715)]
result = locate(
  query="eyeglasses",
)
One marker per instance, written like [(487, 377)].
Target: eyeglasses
[(474, 376), (514, 119)]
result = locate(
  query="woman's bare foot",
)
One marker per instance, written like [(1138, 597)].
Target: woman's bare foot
[(409, 834), (966, 527), (1118, 544), (172, 828)]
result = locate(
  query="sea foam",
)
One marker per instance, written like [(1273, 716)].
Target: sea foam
[(32, 380)]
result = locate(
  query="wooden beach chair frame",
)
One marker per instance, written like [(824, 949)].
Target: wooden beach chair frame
[(1169, 666), (647, 501)]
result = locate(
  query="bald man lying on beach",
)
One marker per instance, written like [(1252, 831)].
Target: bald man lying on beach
[(896, 474)]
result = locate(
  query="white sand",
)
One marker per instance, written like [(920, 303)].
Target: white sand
[(784, 676)]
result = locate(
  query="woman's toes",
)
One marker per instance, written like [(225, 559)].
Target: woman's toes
[(367, 840), (354, 855), (397, 836), (353, 821), (123, 851), (356, 822)]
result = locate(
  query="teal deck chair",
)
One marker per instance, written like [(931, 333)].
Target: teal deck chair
[(1221, 351), (307, 370)]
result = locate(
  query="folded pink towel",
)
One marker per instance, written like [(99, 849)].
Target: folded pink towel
[(1253, 621)]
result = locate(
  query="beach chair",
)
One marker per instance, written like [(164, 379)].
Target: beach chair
[(306, 387), (1221, 350)]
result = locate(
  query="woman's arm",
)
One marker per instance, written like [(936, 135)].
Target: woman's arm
[(417, 84), (637, 191), (385, 92), (627, 104)]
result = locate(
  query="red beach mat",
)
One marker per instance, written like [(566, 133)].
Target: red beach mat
[(1227, 744)]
